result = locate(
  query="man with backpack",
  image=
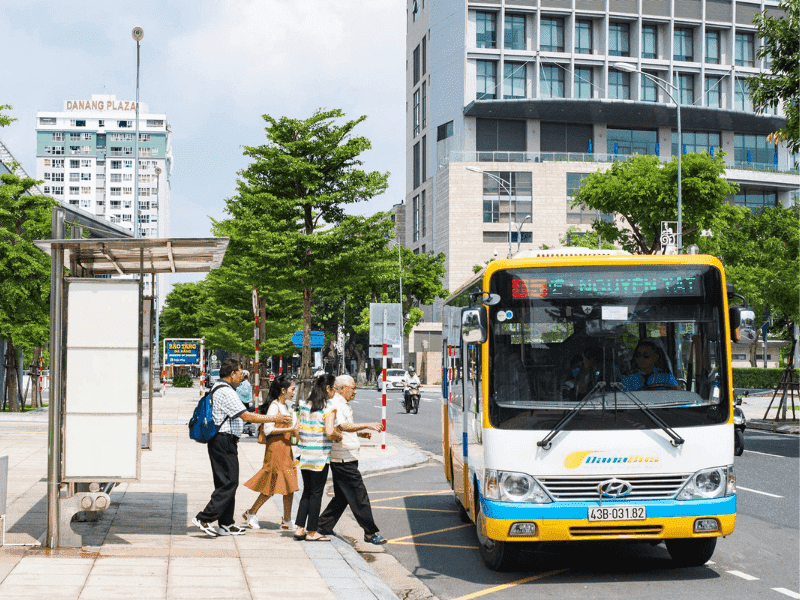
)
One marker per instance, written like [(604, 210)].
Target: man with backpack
[(229, 415)]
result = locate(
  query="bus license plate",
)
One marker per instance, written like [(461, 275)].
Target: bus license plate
[(617, 513)]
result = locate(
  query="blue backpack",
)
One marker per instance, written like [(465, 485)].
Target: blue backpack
[(201, 426)]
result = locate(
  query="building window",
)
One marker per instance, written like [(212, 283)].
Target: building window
[(144, 137), (74, 189), (47, 121), (54, 150), (415, 219), (696, 141), (115, 191), (101, 123), (712, 47), (513, 197), (58, 136), (116, 177), (424, 158), (583, 82), (579, 215), (74, 201), (416, 113), (619, 39), (745, 50), (86, 176), (552, 35), (77, 122), (74, 137), (47, 189), (74, 176), (124, 123), (87, 137), (683, 45), (486, 79), (424, 55), (486, 23), (551, 83), (444, 131), (713, 99), (514, 34), (416, 166), (619, 85), (415, 63), (685, 84), (86, 190), (424, 105), (741, 96), (57, 176), (128, 164), (58, 163), (86, 163), (514, 80), (583, 37), (58, 190), (755, 199), (649, 41), (753, 149), (423, 222), (153, 123), (631, 141), (649, 90)]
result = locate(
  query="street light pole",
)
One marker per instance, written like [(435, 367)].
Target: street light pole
[(138, 34), (665, 85), (507, 187), (519, 231)]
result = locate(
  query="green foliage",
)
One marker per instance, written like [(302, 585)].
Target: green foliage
[(182, 380), (782, 48), (759, 379), (182, 315), (583, 239), (643, 192), (5, 119), (760, 253), (477, 268), (24, 269)]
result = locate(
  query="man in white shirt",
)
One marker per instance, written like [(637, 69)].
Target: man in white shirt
[(409, 378), (348, 485)]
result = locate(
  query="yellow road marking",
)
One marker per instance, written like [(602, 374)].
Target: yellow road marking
[(410, 491), (505, 586), (411, 495), (434, 545), (416, 535), (422, 509)]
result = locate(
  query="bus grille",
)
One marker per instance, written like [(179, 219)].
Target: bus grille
[(616, 530), (645, 487)]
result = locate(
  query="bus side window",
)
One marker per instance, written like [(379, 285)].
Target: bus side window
[(474, 375), (456, 385)]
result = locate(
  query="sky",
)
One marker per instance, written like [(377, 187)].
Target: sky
[(214, 67)]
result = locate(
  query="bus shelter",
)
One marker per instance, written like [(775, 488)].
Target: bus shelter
[(101, 356)]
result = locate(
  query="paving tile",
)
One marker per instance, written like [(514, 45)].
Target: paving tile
[(35, 590), (140, 593), (182, 593)]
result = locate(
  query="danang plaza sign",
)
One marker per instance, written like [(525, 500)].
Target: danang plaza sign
[(112, 104)]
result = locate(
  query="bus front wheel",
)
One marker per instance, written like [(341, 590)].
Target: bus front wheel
[(691, 552), (496, 555)]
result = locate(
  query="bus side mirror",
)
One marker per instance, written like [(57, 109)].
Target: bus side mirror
[(742, 321), (473, 325)]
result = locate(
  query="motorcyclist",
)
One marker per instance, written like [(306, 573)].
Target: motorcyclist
[(409, 378)]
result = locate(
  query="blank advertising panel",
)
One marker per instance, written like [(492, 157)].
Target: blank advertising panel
[(101, 404)]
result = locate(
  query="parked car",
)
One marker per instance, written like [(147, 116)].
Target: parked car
[(394, 380), (212, 377)]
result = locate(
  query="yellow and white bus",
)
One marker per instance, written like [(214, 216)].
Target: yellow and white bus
[(589, 397)]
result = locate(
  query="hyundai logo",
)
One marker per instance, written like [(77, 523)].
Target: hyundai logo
[(614, 488)]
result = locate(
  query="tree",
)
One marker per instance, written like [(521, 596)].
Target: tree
[(643, 192), (782, 48), (288, 217), (760, 253), (5, 119), (24, 270), (184, 311), (583, 239)]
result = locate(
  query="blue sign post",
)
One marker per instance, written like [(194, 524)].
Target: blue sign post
[(182, 352), (317, 339)]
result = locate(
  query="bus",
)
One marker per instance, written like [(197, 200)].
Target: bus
[(587, 395)]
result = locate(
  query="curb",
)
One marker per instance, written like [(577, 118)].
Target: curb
[(785, 427), (375, 584)]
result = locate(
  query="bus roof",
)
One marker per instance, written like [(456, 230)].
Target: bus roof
[(569, 251)]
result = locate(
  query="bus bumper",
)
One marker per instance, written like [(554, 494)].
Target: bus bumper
[(568, 521)]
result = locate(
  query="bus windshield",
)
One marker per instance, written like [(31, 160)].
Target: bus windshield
[(611, 338)]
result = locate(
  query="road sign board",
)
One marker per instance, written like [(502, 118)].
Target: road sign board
[(385, 324), (317, 339), (391, 351), (182, 352)]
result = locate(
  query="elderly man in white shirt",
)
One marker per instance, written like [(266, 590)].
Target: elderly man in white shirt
[(348, 485)]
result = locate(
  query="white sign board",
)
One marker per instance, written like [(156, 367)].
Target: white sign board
[(385, 324), (101, 407), (391, 351)]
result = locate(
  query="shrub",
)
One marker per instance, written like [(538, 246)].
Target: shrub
[(182, 380), (756, 378)]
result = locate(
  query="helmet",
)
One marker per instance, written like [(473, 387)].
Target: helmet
[(411, 369)]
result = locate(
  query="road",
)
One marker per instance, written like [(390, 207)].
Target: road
[(416, 512)]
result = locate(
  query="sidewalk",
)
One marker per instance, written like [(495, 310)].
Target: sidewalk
[(145, 546), (755, 405)]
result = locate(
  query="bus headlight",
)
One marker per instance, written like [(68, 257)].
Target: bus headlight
[(709, 483), (513, 487)]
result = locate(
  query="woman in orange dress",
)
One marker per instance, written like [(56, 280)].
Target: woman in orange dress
[(278, 474)]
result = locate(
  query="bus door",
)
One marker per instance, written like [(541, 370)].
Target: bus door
[(455, 415), (474, 411)]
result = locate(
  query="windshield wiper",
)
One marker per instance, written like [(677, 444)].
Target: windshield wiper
[(676, 439), (546, 442)]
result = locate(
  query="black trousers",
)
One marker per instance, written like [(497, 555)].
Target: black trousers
[(348, 490), (223, 450), (311, 500)]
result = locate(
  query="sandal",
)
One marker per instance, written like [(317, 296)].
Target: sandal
[(300, 534), (317, 537)]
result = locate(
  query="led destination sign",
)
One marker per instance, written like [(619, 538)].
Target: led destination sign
[(600, 284)]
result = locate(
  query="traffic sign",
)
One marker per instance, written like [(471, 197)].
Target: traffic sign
[(317, 339)]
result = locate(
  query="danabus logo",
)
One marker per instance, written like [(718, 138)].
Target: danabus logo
[(614, 488)]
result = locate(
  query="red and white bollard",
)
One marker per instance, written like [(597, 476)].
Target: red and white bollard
[(383, 402)]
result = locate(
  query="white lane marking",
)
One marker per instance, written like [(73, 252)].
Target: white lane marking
[(789, 593), (738, 487), (743, 575), (765, 454)]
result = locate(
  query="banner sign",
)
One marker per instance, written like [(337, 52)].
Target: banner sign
[(182, 352)]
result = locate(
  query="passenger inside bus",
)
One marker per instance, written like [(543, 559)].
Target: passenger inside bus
[(652, 369)]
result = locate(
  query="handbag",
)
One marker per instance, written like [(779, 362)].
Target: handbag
[(262, 437)]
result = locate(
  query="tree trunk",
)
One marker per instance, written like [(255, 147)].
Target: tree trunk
[(12, 385), (36, 395), (305, 380), (752, 351)]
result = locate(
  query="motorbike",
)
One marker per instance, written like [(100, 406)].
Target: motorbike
[(411, 398), (739, 425), (250, 428)]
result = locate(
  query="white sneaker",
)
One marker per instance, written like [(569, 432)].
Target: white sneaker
[(288, 525), (251, 521), (231, 530), (206, 527)]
